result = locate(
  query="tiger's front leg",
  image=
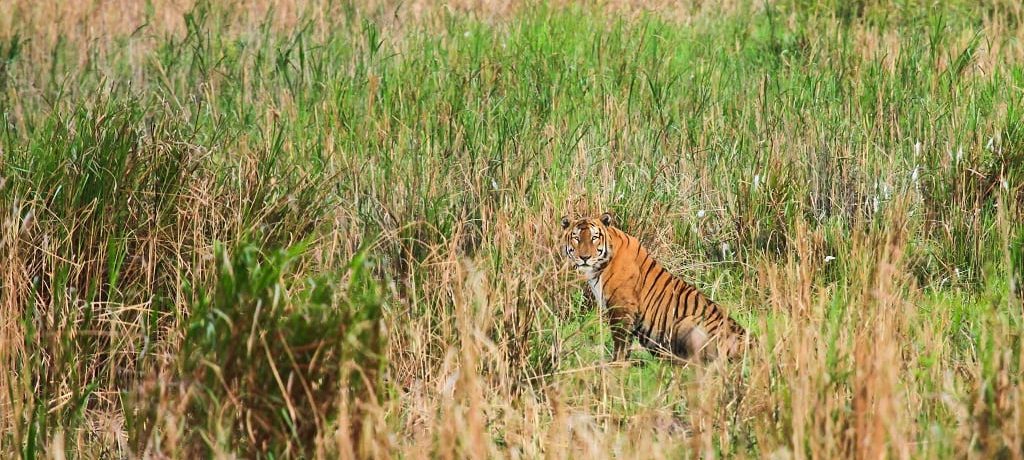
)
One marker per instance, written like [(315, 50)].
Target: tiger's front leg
[(621, 321)]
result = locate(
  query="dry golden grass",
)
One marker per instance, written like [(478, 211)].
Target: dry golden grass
[(322, 229)]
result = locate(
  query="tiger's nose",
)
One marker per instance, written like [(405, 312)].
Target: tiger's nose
[(584, 258)]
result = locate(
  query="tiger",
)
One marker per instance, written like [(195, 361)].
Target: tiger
[(641, 299)]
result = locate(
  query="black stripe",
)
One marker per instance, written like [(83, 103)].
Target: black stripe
[(609, 296), (681, 301), (690, 308), (710, 330), (714, 314), (670, 320), (651, 290), (626, 239), (713, 327), (649, 268), (673, 287), (642, 326), (676, 323), (664, 290), (736, 327), (699, 301), (649, 308)]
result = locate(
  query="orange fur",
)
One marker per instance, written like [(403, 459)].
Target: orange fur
[(642, 299)]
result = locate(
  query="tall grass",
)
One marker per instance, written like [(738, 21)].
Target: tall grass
[(321, 229)]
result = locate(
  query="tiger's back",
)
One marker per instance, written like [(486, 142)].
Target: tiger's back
[(643, 300)]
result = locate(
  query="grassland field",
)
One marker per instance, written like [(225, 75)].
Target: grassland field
[(330, 229)]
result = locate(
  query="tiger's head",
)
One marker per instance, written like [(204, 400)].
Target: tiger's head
[(586, 242)]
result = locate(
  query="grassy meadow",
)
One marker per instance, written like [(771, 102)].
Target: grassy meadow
[(330, 229)]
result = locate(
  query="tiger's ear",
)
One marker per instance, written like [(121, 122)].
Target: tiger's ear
[(565, 222), (606, 219)]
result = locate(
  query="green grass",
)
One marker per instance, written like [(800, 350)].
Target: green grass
[(329, 229)]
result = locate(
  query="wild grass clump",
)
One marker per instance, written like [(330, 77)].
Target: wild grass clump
[(321, 229)]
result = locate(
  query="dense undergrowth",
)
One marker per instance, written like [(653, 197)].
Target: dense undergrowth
[(329, 228)]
